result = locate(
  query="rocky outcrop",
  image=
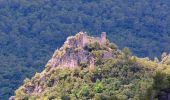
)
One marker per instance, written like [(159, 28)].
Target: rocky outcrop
[(70, 55), (72, 52)]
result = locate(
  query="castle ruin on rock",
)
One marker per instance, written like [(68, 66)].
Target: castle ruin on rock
[(84, 39), (70, 55), (72, 52)]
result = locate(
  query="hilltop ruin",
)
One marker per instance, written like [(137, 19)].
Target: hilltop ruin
[(66, 56), (75, 52)]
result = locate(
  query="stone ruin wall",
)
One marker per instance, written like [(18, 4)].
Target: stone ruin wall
[(103, 38), (84, 39)]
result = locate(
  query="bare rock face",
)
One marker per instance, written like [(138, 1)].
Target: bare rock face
[(72, 52)]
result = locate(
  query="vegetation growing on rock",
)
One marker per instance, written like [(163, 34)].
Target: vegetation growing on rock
[(120, 76), (30, 31)]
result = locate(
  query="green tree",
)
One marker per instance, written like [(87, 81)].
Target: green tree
[(98, 87), (127, 53), (85, 90), (160, 81)]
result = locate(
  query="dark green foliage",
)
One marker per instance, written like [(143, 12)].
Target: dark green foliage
[(160, 81), (113, 79), (161, 84), (112, 46), (127, 53), (98, 87), (85, 90), (92, 46), (98, 61), (30, 30), (83, 65), (65, 97), (52, 97), (97, 53)]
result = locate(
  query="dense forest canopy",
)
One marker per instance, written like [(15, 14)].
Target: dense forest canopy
[(30, 30)]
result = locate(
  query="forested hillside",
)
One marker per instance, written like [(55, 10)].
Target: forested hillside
[(30, 30), (92, 68)]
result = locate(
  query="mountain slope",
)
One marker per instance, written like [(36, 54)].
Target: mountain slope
[(93, 68), (30, 30)]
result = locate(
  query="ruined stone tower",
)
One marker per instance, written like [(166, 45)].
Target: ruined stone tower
[(103, 38), (83, 39)]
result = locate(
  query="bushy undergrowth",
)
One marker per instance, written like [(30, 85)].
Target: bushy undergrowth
[(112, 79)]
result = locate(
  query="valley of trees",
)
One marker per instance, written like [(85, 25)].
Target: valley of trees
[(30, 31)]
